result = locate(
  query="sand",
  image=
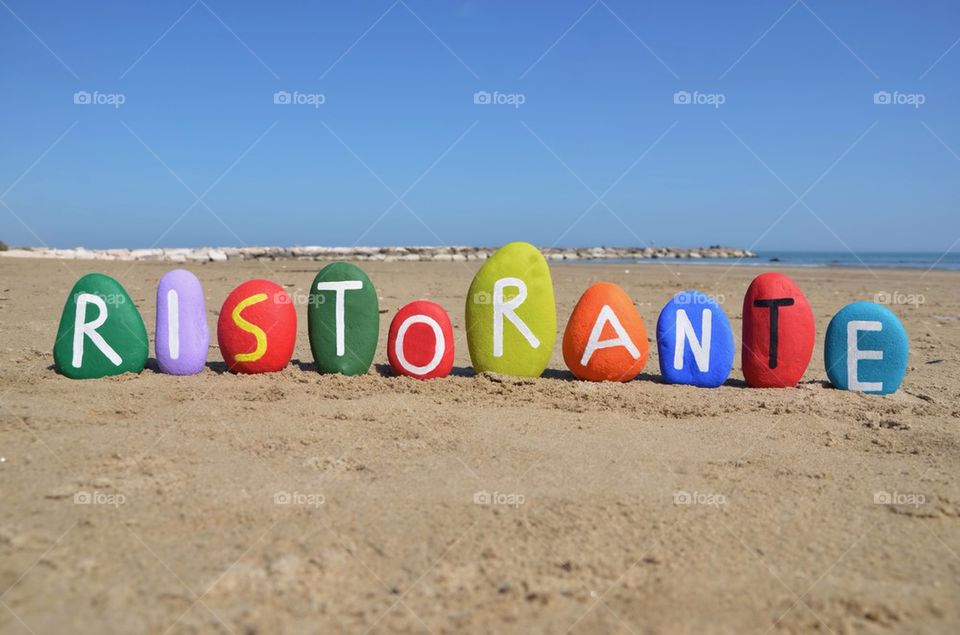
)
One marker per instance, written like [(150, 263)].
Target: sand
[(476, 503)]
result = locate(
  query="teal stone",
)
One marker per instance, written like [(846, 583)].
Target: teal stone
[(343, 319), (866, 349), (101, 331)]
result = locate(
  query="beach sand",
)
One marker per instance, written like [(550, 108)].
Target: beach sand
[(583, 531)]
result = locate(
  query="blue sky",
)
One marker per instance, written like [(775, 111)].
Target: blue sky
[(784, 147)]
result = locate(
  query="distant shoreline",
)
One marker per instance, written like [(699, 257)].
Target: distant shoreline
[(374, 254), (715, 255)]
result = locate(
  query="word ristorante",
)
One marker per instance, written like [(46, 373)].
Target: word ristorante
[(511, 321)]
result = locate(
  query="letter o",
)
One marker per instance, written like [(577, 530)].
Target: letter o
[(439, 348)]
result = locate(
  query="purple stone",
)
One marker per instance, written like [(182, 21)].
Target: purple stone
[(182, 336)]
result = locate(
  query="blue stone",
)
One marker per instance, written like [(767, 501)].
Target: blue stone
[(695, 341), (866, 349)]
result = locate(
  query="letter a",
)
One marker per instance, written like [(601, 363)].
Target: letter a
[(607, 316)]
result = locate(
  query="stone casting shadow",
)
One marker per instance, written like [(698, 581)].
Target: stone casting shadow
[(219, 368), (736, 383), (386, 370), (305, 366)]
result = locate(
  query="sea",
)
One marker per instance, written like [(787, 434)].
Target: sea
[(873, 260)]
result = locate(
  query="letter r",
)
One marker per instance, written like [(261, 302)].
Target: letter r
[(83, 328), (507, 310)]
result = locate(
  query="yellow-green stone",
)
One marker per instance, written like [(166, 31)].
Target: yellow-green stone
[(506, 332)]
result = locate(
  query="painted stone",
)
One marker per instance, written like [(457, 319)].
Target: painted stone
[(343, 319), (101, 331), (182, 338), (257, 328), (511, 314), (605, 339), (694, 341), (778, 332), (420, 341), (866, 349)]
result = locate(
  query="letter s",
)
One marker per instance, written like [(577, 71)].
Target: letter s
[(253, 329)]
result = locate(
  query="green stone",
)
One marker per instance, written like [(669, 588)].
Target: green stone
[(101, 332), (343, 319), (508, 334)]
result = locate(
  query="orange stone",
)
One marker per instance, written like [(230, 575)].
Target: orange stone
[(605, 339)]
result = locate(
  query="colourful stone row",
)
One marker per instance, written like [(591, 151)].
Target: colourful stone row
[(511, 322)]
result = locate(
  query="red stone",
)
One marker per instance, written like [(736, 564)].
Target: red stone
[(257, 328), (419, 355), (775, 311)]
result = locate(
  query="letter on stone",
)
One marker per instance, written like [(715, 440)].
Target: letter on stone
[(854, 355), (607, 316), (341, 287), (440, 347), (507, 310), (701, 349), (83, 328), (253, 329)]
